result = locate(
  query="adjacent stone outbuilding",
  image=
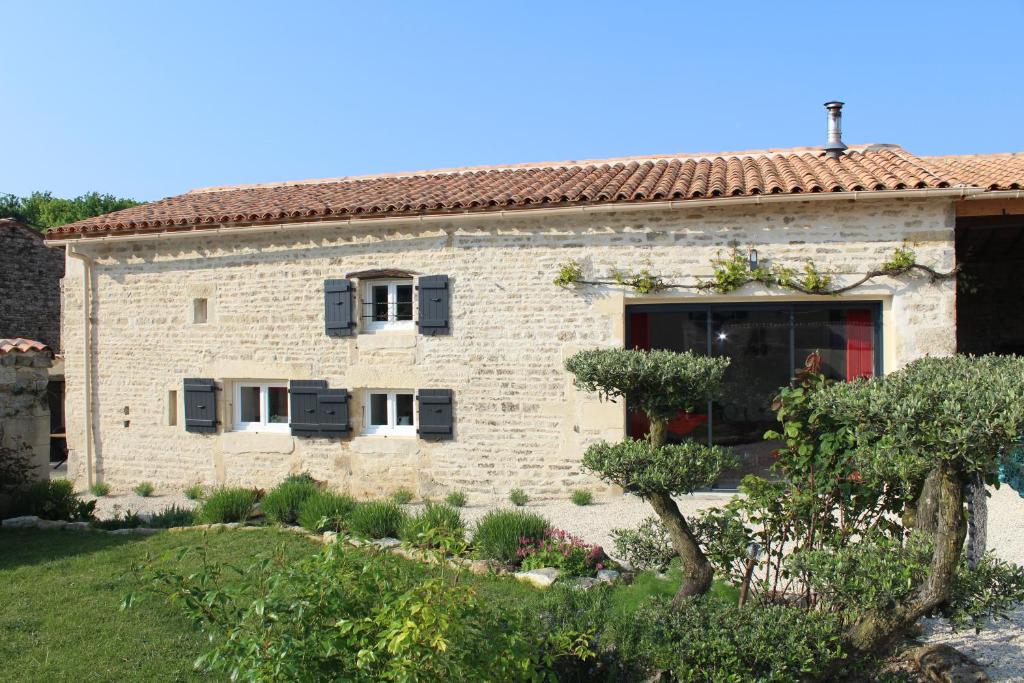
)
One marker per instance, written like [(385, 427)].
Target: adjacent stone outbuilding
[(24, 411), (30, 274)]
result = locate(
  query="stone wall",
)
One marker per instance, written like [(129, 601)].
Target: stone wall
[(519, 421), (30, 274), (24, 410)]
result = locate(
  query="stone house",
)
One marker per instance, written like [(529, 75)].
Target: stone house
[(406, 331), (30, 275), (24, 411)]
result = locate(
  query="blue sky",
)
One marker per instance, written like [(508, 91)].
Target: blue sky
[(149, 99)]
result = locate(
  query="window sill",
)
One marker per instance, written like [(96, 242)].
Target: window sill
[(386, 339)]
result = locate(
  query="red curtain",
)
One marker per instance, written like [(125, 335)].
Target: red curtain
[(639, 331), (860, 344)]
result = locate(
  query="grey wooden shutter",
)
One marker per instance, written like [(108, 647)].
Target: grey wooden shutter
[(200, 405), (332, 411), (436, 419), (434, 304), (302, 397), (339, 313)]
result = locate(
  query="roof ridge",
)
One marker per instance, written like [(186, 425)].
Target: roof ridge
[(538, 165)]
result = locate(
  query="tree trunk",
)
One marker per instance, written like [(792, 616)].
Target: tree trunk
[(977, 520), (657, 434), (942, 510), (697, 571)]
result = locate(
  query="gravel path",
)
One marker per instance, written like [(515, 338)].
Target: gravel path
[(1000, 647)]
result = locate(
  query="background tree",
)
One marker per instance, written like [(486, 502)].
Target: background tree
[(661, 384), (932, 427), (42, 210)]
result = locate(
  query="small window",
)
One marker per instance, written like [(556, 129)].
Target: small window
[(172, 408), (387, 304), (261, 406), (199, 311), (389, 413)]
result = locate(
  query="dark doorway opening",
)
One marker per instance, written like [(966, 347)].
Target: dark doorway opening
[(765, 344), (989, 307)]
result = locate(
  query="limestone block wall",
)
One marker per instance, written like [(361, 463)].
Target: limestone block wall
[(519, 421), (24, 411)]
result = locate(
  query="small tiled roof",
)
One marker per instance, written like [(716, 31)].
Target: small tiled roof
[(988, 171), (20, 345), (619, 181)]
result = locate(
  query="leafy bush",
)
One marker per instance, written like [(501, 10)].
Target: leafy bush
[(282, 503), (54, 499), (402, 496), (561, 550), (144, 489), (518, 497), (228, 504), (377, 519), (325, 511), (100, 489), (171, 517), (499, 532), (348, 615), (582, 497), (121, 520), (457, 499), (642, 468), (646, 547), (709, 641), (195, 492), (432, 525)]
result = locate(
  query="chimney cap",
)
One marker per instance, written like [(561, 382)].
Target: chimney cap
[(834, 146)]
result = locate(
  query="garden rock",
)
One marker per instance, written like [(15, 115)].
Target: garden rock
[(479, 566), (330, 537), (51, 524), (584, 582), (24, 522), (607, 575), (944, 664), (138, 531), (77, 526), (542, 578), (387, 543)]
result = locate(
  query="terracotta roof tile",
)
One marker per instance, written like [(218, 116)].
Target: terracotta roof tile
[(989, 171), (21, 345), (869, 168)]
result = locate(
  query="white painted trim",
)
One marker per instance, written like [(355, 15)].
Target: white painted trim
[(391, 324), (237, 425), (391, 428)]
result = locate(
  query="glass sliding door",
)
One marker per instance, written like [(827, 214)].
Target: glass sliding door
[(765, 344)]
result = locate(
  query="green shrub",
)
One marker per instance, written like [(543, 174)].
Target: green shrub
[(457, 499), (582, 497), (195, 492), (325, 511), (171, 517), (402, 496), (100, 489), (281, 504), (563, 551), (377, 519), (120, 520), (518, 497), (498, 533), (646, 547), (227, 505), (54, 499), (345, 615), (705, 640), (144, 489), (435, 523)]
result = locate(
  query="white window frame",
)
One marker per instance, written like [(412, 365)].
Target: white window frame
[(261, 426), (391, 323), (391, 428)]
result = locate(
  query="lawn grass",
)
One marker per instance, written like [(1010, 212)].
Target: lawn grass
[(647, 584), (60, 596)]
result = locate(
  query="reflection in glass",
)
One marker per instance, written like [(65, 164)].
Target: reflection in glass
[(403, 410), (403, 299), (378, 410), (380, 303), (249, 404), (277, 398)]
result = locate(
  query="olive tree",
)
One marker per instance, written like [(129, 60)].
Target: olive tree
[(934, 427), (661, 384)]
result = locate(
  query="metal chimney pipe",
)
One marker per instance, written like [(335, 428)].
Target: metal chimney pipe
[(834, 147)]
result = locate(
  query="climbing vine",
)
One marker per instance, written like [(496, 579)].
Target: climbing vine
[(734, 270)]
